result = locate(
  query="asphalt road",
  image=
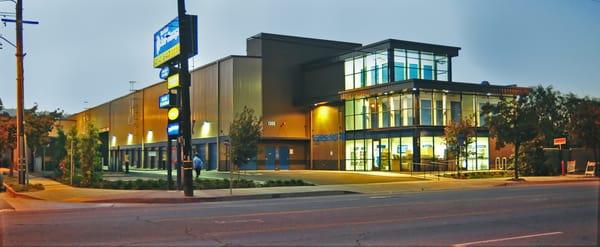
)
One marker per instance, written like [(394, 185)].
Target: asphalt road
[(559, 214)]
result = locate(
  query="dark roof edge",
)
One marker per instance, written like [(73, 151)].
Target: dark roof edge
[(261, 34)]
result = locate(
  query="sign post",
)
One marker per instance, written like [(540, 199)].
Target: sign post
[(559, 142), (174, 44)]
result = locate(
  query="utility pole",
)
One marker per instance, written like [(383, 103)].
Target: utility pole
[(20, 95), (184, 77)]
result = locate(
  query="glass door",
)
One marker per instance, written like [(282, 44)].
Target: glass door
[(376, 155)]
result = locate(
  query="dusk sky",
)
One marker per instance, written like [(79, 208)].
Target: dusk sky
[(89, 50)]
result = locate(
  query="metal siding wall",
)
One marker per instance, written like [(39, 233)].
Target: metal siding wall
[(226, 95), (247, 89), (121, 126), (155, 119), (323, 82), (203, 94)]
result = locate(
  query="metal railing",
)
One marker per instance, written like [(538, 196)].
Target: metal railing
[(430, 168)]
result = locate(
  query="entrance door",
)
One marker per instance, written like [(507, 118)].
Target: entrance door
[(284, 153), (270, 157), (376, 155)]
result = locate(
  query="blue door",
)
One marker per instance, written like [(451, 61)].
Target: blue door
[(284, 154), (212, 156), (249, 165), (270, 158)]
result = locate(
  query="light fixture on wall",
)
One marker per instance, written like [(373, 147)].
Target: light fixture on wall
[(129, 139), (149, 136)]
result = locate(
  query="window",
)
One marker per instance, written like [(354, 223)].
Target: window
[(349, 73), (426, 112), (455, 111), (441, 68), (413, 64), (407, 109), (426, 65)]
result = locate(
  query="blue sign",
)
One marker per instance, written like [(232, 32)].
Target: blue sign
[(166, 43), (164, 101), (164, 72), (173, 130)]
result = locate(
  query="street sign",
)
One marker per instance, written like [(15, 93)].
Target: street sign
[(560, 141), (167, 100), (173, 130), (173, 81), (173, 114), (164, 72), (167, 41)]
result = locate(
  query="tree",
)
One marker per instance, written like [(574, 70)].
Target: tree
[(584, 125), (72, 155), (459, 135), (8, 136), (550, 122), (90, 156), (512, 121), (38, 126), (244, 132)]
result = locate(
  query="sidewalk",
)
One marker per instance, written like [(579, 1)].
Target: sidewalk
[(58, 192)]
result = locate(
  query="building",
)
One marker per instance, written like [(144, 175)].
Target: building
[(324, 105)]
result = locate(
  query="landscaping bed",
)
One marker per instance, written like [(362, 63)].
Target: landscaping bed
[(161, 184), (13, 183), (476, 175)]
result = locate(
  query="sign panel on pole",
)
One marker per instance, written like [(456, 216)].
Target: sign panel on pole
[(173, 130), (166, 43), (560, 141)]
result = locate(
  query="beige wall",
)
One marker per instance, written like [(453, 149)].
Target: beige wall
[(326, 121)]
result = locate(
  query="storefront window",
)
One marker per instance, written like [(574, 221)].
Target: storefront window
[(483, 155), (406, 153), (350, 155), (439, 148), (426, 149)]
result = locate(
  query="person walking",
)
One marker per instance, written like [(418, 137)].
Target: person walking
[(197, 164)]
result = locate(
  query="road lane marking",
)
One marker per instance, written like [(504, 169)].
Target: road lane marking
[(324, 210), (357, 223), (379, 197), (506, 239), (239, 221)]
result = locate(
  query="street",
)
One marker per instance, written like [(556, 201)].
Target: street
[(557, 214)]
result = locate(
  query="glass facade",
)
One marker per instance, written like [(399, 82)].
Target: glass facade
[(366, 70), (383, 154), (372, 68), (409, 64), (394, 152), (436, 108)]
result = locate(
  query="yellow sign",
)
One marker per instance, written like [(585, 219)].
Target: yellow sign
[(173, 114), (166, 55), (173, 81)]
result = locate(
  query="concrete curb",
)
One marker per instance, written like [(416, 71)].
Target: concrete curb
[(222, 198), (513, 183), (15, 194)]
